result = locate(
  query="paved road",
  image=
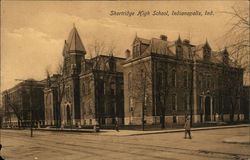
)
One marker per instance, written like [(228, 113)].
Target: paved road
[(17, 145)]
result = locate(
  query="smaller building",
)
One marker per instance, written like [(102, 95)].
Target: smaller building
[(23, 103)]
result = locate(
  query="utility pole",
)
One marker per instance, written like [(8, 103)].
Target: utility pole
[(144, 97), (31, 104), (31, 111)]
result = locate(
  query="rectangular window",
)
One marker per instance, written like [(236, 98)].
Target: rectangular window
[(113, 120), (103, 120), (204, 82), (83, 109), (185, 79), (174, 78), (131, 104), (174, 119), (208, 82), (138, 50), (186, 103), (112, 88), (89, 87), (174, 102), (200, 103)]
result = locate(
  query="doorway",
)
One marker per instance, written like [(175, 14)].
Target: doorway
[(68, 115), (207, 108)]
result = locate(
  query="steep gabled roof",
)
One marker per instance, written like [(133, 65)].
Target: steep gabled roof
[(142, 40), (74, 42), (159, 46)]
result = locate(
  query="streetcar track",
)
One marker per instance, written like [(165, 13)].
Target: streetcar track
[(153, 147), (95, 148)]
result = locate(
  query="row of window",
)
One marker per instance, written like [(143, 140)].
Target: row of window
[(203, 81), (109, 109), (162, 79), (173, 103), (206, 81), (105, 89)]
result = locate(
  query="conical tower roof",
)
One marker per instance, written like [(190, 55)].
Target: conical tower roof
[(74, 42)]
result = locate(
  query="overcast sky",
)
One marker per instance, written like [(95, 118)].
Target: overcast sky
[(33, 33)]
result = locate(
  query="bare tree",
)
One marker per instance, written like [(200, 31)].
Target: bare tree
[(238, 45), (60, 84), (58, 88), (97, 48), (13, 106), (139, 82), (237, 37)]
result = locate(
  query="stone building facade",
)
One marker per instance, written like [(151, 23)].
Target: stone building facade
[(90, 91), (51, 98), (165, 81), (23, 101)]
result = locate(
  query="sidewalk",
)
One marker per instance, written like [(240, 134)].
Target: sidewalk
[(137, 133), (110, 132)]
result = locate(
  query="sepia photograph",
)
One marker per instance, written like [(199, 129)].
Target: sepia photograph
[(127, 80)]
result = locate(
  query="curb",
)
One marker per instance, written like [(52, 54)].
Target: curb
[(142, 133), (194, 129)]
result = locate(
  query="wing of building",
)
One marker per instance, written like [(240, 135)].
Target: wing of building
[(165, 81), (89, 91)]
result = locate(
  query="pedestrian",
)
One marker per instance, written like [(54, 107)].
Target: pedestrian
[(187, 128), (117, 126), (1, 158)]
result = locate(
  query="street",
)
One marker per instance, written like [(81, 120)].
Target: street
[(207, 144)]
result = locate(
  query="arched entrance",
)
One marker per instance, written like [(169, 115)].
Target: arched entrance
[(68, 115), (207, 108)]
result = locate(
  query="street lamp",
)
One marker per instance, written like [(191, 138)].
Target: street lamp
[(30, 99)]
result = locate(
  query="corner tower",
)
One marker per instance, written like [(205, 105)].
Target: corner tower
[(73, 53)]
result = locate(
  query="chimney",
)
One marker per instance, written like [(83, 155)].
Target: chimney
[(186, 41), (164, 37), (127, 53)]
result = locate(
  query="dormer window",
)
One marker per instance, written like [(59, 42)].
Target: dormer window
[(179, 51), (136, 50), (206, 52), (225, 57), (112, 65)]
